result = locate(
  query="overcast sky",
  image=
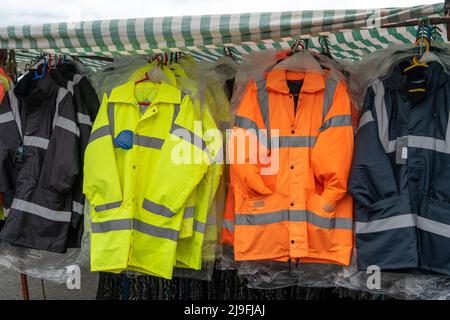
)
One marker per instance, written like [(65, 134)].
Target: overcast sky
[(19, 12)]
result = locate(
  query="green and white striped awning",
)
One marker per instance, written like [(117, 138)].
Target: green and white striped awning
[(351, 33)]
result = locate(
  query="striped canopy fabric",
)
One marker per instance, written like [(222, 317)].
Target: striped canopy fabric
[(351, 33)]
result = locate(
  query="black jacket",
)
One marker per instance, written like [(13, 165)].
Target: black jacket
[(40, 215), (86, 105), (400, 177)]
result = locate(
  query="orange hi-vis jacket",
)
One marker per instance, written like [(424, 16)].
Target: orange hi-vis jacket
[(291, 204)]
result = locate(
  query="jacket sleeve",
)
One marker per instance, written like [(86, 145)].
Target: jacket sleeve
[(371, 178), (183, 162), (63, 150), (101, 178), (245, 147), (332, 154)]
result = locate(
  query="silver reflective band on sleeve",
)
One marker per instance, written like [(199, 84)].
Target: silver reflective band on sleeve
[(188, 212), (155, 231), (111, 118), (294, 216), (336, 121), (33, 141), (68, 125), (15, 109), (6, 117), (108, 206), (7, 212), (432, 226), (391, 223), (229, 225), (84, 119), (37, 210), (99, 133), (62, 92), (328, 95), (263, 100), (77, 207), (112, 225), (189, 136), (157, 209), (366, 118), (382, 118), (199, 226), (149, 142)]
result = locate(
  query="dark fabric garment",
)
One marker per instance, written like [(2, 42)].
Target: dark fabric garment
[(10, 142), (48, 174), (87, 105), (294, 89), (414, 190), (225, 285)]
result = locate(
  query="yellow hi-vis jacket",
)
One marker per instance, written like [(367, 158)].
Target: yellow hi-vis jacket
[(138, 195)]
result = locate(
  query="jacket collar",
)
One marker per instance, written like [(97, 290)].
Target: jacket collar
[(36, 90), (125, 94), (277, 80)]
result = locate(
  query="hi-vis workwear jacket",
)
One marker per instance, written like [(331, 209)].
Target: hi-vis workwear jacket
[(40, 207), (138, 195), (400, 175), (293, 203)]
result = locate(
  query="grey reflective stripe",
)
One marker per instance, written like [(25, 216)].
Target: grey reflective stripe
[(261, 218), (430, 143), (245, 123), (6, 117), (382, 118), (111, 118), (108, 206), (366, 118), (68, 125), (77, 78), (99, 133), (336, 121), (189, 136), (112, 225), (188, 212), (155, 231), (157, 208), (294, 216), (61, 95), (15, 109), (177, 108), (129, 224), (263, 100), (34, 141), (433, 226), (321, 222), (149, 142), (37, 210), (294, 141), (84, 119), (229, 225), (77, 207), (7, 212), (70, 86), (328, 95), (391, 223), (199, 226)]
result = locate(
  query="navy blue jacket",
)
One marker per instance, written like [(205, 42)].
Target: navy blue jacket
[(400, 176)]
